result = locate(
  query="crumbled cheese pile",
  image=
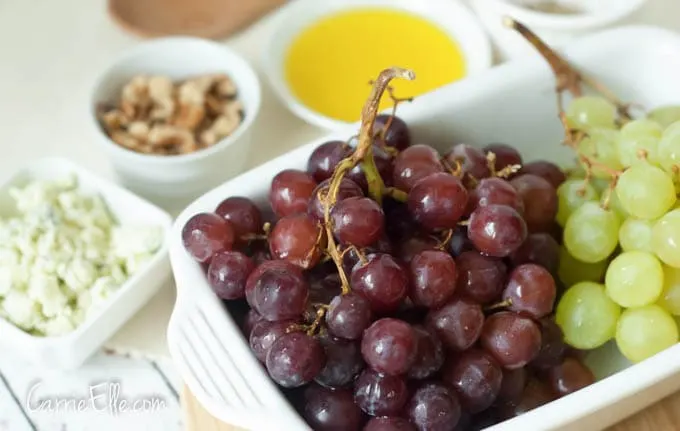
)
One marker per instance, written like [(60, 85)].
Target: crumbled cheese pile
[(64, 255)]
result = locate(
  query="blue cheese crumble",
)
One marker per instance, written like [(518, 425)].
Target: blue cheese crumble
[(63, 255)]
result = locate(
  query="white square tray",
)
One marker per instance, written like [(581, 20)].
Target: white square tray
[(70, 350), (513, 103)]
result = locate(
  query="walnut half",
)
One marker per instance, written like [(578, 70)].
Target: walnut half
[(158, 116)]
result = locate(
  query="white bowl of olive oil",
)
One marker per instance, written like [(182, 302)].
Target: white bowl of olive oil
[(322, 55)]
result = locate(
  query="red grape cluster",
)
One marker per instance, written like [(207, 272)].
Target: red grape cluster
[(426, 308)]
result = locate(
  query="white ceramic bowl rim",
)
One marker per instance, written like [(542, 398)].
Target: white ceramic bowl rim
[(480, 55), (567, 21), (246, 71)]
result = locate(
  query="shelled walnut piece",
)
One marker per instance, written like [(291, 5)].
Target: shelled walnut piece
[(156, 116)]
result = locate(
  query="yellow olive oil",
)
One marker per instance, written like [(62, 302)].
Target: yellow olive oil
[(330, 64)]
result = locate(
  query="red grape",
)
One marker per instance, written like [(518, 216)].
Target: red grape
[(352, 256), (389, 423), (277, 290), (546, 170), (569, 376), (290, 192), (382, 281), (429, 354), (380, 395), (265, 333), (505, 155), (325, 289), (357, 221), (383, 162), (325, 158), (433, 278), (343, 362), (530, 290), (458, 324), (416, 244), (316, 208), (497, 230), (298, 239), (414, 163), (389, 346), (512, 385), (494, 191), (536, 394), (476, 377), (438, 201), (397, 135), (228, 272), (253, 278), (205, 234), (348, 316), (553, 348), (472, 161), (252, 318), (434, 406), (480, 278), (513, 340), (243, 214), (539, 248), (540, 201), (295, 359), (331, 410)]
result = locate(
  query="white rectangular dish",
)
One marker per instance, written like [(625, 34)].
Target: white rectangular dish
[(71, 350), (513, 103)]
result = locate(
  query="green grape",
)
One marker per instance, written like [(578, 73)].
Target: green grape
[(668, 152), (591, 233), (634, 279), (645, 331), (571, 194), (600, 184), (666, 238), (672, 128), (587, 316), (575, 172), (601, 146), (571, 270), (645, 191), (637, 138), (665, 115), (670, 298), (636, 234), (643, 126), (590, 111), (614, 204)]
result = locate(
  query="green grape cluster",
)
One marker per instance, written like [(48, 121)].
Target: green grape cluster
[(619, 210)]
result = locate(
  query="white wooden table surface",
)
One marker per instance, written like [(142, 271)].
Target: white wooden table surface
[(50, 53)]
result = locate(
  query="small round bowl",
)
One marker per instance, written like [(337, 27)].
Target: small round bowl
[(173, 181), (556, 29), (451, 16)]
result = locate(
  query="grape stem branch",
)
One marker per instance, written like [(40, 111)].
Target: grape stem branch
[(362, 154), (570, 80)]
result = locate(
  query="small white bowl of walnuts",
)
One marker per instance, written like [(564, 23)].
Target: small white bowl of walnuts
[(174, 115)]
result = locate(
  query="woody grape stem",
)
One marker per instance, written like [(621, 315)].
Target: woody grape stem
[(362, 154)]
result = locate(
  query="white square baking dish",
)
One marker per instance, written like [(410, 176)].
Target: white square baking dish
[(513, 103), (71, 350)]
